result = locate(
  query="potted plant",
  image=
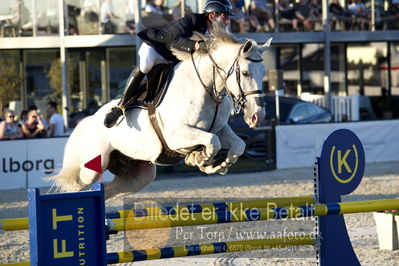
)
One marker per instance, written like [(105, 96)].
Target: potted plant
[(387, 223)]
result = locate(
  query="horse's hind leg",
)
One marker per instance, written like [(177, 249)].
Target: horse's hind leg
[(138, 175), (87, 177)]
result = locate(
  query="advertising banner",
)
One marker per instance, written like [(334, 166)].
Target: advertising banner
[(298, 145), (27, 162)]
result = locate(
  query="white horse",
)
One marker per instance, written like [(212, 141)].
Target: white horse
[(193, 115)]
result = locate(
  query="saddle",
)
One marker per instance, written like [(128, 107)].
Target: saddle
[(153, 88), (151, 94)]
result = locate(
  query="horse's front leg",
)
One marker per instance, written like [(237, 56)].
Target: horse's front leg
[(235, 146), (188, 137)]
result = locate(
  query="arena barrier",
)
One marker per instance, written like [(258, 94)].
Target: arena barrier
[(69, 228), (16, 224)]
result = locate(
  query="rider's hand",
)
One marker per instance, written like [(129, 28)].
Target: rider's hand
[(201, 46)]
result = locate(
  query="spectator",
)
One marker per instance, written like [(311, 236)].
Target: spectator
[(44, 121), (154, 16), (239, 14), (392, 15), (264, 14), (302, 10), (3, 112), (88, 20), (108, 16), (33, 127), (150, 7), (89, 11), (73, 14), (21, 17), (361, 15), (314, 13), (22, 117), (130, 23), (159, 5), (176, 11), (286, 11), (56, 123), (340, 15), (9, 129)]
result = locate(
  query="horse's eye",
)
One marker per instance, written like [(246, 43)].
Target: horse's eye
[(245, 73)]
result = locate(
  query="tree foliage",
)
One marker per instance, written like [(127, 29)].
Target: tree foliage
[(10, 81), (55, 77)]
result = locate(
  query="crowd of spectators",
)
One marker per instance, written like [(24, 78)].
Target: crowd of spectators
[(31, 124), (102, 17)]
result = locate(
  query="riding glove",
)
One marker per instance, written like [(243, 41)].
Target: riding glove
[(203, 47)]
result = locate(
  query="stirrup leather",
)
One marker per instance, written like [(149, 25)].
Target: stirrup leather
[(120, 119)]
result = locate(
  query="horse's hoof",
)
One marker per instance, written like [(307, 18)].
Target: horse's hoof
[(223, 171), (112, 117)]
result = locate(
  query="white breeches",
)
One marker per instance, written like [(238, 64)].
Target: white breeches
[(149, 58)]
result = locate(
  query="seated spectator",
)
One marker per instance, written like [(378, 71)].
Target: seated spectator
[(239, 17), (21, 17), (56, 123), (130, 23), (287, 12), (9, 129), (153, 17), (314, 13), (33, 127), (392, 16), (88, 18), (302, 10), (150, 7), (108, 17), (73, 14), (340, 15), (361, 15), (264, 14), (176, 11)]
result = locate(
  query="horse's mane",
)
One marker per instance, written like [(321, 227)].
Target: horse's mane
[(220, 35)]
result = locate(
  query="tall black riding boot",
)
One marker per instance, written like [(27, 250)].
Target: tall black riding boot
[(131, 90)]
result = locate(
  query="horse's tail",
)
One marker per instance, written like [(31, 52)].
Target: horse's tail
[(68, 178)]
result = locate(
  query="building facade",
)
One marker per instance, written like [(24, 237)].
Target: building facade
[(77, 52)]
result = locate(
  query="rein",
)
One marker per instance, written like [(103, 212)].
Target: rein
[(239, 101)]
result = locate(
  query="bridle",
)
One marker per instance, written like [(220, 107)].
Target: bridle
[(238, 101)]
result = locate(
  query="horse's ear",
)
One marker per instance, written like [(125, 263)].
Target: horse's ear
[(247, 48), (264, 47)]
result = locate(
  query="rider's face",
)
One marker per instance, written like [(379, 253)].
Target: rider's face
[(224, 18)]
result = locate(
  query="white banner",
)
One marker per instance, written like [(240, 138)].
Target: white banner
[(299, 145), (25, 163)]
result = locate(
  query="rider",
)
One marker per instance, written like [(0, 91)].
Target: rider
[(157, 44)]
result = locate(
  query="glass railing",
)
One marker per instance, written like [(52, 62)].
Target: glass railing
[(94, 17)]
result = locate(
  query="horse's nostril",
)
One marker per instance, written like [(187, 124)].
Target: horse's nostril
[(254, 119)]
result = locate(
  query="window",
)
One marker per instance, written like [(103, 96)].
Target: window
[(43, 77)]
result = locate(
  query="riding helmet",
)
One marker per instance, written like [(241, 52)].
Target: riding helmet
[(218, 6)]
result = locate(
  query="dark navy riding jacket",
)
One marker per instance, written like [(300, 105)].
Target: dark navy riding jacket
[(175, 35)]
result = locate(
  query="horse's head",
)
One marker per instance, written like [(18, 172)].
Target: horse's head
[(247, 85), (244, 73), (236, 67)]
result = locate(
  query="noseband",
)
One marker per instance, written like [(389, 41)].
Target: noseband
[(240, 100)]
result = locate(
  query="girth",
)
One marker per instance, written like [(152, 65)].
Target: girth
[(167, 155)]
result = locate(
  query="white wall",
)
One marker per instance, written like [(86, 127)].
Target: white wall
[(298, 145)]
